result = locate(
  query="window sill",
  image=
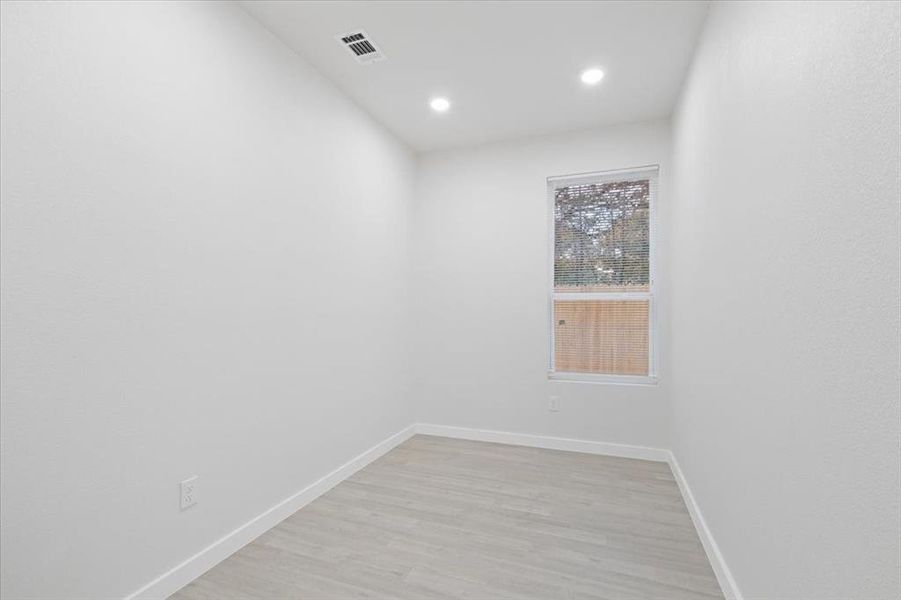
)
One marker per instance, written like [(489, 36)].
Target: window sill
[(608, 379)]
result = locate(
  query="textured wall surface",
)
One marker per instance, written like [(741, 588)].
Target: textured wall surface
[(481, 289), (201, 240), (785, 295)]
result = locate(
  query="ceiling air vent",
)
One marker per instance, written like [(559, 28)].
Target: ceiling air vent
[(361, 46)]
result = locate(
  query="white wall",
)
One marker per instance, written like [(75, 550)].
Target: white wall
[(204, 272), (785, 295), (480, 288)]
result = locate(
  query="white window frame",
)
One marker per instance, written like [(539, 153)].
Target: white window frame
[(554, 183)]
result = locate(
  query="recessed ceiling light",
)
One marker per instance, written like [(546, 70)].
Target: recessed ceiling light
[(439, 104), (592, 76)]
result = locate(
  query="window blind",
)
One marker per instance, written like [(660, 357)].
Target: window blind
[(602, 298)]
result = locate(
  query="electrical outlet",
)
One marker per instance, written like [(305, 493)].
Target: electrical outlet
[(189, 492), (553, 403)]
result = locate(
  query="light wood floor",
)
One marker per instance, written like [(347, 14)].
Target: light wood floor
[(438, 518)]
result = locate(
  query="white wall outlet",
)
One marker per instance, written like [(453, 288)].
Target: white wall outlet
[(189, 492), (553, 403)]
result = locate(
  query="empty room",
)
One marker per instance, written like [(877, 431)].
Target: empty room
[(435, 300)]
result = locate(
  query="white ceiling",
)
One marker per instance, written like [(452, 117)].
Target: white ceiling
[(510, 69)]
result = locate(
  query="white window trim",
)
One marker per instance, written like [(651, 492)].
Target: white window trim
[(554, 183)]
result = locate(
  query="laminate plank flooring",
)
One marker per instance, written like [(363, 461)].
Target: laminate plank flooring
[(439, 518)]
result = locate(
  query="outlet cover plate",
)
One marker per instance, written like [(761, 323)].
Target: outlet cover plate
[(553, 403), (188, 492)]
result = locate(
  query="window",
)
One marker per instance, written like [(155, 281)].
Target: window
[(602, 281)]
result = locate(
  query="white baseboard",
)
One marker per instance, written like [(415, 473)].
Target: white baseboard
[(176, 578), (541, 441), (720, 569)]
